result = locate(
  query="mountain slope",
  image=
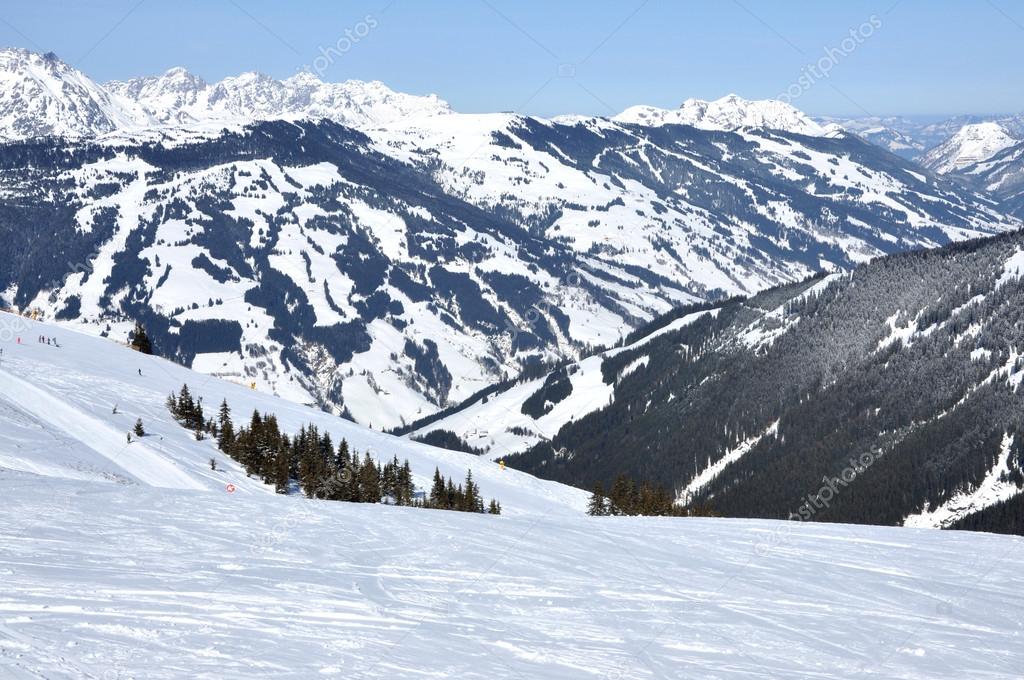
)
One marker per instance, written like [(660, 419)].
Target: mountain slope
[(57, 419), (912, 363), (1001, 175)]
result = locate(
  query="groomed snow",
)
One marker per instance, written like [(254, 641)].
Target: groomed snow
[(108, 581), (135, 561)]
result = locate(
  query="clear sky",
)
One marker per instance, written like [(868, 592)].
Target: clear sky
[(913, 57)]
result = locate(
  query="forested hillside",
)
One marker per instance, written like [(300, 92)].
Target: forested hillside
[(890, 395)]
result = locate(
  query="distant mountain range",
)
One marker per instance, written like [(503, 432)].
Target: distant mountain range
[(42, 95), (385, 257), (983, 153)]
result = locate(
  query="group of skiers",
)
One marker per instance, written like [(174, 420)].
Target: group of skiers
[(48, 341)]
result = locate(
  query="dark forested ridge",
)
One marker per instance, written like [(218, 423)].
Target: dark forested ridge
[(866, 397)]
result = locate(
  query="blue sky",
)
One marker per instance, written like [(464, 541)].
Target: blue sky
[(913, 57)]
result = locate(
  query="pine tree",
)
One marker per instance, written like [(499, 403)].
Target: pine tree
[(438, 495), (597, 506), (139, 430), (405, 485), (185, 405), (369, 481), (495, 508), (226, 433), (282, 469)]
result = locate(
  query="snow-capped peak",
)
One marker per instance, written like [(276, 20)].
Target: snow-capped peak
[(728, 113), (179, 97), (42, 95), (971, 144), (163, 97)]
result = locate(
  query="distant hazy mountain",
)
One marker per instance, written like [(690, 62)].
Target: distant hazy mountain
[(728, 113), (971, 144)]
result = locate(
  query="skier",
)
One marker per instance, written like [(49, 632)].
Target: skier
[(140, 371)]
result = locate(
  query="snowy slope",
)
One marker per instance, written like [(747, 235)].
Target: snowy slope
[(108, 581), (971, 144), (57, 420)]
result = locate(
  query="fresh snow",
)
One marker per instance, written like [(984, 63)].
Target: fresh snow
[(112, 581), (136, 560)]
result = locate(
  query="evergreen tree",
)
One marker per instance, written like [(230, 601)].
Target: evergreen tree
[(369, 481), (438, 495), (597, 506), (226, 430), (139, 430)]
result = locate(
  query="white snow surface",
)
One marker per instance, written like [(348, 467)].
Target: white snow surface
[(105, 580), (134, 561)]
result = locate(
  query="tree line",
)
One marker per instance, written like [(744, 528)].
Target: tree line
[(309, 461), (627, 497)]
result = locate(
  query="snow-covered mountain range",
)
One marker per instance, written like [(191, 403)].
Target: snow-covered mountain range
[(390, 271), (728, 113), (42, 95)]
